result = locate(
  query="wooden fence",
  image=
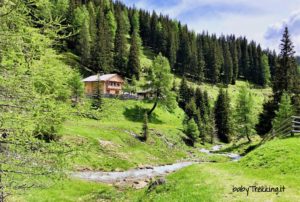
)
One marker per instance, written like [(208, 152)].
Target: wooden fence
[(289, 127)]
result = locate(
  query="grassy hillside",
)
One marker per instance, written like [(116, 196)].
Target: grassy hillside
[(110, 144)]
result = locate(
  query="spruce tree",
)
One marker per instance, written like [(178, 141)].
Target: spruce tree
[(97, 98), (199, 100), (191, 130), (287, 74), (244, 61), (206, 101), (286, 79), (85, 43), (173, 44), (112, 24), (222, 116), (235, 62), (184, 52), (216, 63), (92, 31), (183, 93), (134, 66), (211, 127), (227, 66), (104, 45), (145, 27), (191, 109), (120, 53)]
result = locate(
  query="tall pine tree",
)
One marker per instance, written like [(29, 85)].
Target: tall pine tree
[(222, 116), (121, 53), (287, 74), (134, 66)]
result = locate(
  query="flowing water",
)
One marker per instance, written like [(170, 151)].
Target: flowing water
[(145, 173), (137, 174), (232, 156)]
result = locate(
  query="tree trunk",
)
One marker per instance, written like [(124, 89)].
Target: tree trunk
[(247, 134), (153, 108)]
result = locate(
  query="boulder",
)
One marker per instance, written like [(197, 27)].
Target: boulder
[(156, 183)]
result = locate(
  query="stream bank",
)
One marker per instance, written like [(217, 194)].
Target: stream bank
[(140, 177)]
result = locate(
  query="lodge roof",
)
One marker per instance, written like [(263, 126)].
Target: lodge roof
[(104, 77)]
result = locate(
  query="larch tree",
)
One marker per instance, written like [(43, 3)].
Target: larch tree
[(265, 71), (244, 113), (34, 91), (160, 80), (285, 111)]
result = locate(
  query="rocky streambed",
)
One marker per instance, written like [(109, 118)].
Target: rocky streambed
[(232, 156), (137, 178), (141, 177)]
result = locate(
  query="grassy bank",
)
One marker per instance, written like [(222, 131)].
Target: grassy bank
[(274, 164)]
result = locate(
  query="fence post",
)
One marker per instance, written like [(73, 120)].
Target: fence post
[(273, 133), (292, 133)]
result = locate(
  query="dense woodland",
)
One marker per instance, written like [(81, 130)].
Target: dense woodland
[(201, 57)]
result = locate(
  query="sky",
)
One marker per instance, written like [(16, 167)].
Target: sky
[(259, 20)]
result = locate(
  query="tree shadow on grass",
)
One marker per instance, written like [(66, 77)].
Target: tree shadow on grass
[(187, 141), (136, 114), (233, 147), (245, 146)]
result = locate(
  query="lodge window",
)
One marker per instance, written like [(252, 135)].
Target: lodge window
[(114, 84)]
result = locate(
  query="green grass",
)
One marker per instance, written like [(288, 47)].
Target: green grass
[(73, 190), (108, 144), (274, 164)]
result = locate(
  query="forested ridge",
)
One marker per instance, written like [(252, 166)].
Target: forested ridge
[(110, 35)]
